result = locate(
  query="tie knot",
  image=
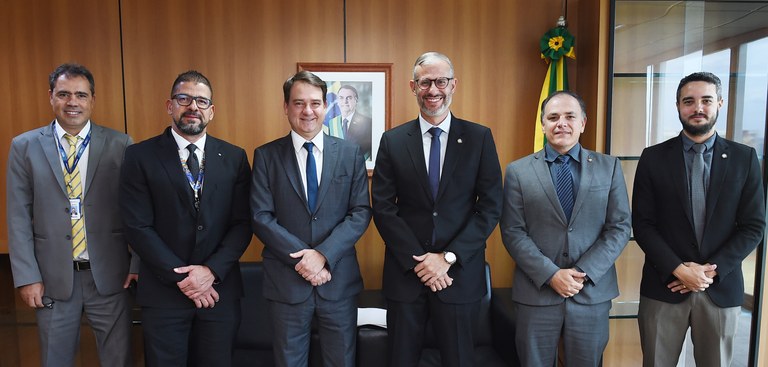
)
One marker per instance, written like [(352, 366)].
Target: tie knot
[(308, 146), (72, 139), (699, 148), (563, 159), (435, 131), (191, 148)]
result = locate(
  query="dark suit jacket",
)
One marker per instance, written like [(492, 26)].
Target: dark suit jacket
[(537, 233), (283, 222), (663, 227), (161, 222), (466, 211), (39, 225), (359, 132)]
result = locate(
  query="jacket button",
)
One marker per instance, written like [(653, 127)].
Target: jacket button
[(68, 237), (199, 228), (565, 254), (434, 214)]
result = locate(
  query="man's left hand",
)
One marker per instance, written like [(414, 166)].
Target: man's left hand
[(431, 268), (198, 281)]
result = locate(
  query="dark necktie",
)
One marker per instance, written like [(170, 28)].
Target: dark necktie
[(192, 163), (564, 185), (698, 193), (311, 177), (434, 161), (345, 127)]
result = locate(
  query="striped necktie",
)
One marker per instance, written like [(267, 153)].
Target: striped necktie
[(564, 185), (75, 191)]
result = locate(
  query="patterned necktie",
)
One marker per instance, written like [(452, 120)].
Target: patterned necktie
[(564, 185), (698, 192), (192, 162), (311, 177), (75, 191), (434, 161)]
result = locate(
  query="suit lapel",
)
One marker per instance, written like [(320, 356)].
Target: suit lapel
[(48, 144), (541, 169), (212, 170), (454, 150), (95, 152), (679, 175), (168, 155), (415, 147), (587, 174), (288, 154), (330, 163), (718, 172)]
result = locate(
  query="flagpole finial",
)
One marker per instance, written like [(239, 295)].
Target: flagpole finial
[(561, 21)]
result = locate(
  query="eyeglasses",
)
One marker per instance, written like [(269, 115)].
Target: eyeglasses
[(186, 100), (48, 302), (440, 83)]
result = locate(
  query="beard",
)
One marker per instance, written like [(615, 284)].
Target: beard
[(699, 130), (191, 128), (447, 98)]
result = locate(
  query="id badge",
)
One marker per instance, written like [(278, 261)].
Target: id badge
[(74, 208)]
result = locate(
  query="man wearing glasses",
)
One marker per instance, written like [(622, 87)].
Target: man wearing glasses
[(184, 201), (436, 198), (68, 253)]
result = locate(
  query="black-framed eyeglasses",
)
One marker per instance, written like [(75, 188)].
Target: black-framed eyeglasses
[(48, 302), (440, 83), (186, 100)]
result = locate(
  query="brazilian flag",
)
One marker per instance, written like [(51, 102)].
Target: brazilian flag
[(554, 45)]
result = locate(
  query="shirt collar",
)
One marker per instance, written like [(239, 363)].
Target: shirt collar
[(82, 134), (688, 143), (183, 143), (550, 154), (445, 125), (298, 141)]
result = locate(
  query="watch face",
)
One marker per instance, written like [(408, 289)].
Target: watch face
[(450, 257)]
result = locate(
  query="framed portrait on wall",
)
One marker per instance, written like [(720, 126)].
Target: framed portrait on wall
[(358, 103)]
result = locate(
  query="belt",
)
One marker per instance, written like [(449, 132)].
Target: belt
[(82, 265)]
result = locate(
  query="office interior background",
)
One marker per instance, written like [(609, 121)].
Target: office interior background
[(629, 57)]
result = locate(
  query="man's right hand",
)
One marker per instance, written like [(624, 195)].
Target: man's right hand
[(32, 294)]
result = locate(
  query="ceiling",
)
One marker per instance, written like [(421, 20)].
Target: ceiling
[(648, 32)]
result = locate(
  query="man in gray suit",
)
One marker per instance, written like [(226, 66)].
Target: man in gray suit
[(565, 221), (310, 205), (65, 237)]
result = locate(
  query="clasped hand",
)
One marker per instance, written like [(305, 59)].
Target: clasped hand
[(568, 282), (692, 277), (311, 267), (432, 270), (198, 285)]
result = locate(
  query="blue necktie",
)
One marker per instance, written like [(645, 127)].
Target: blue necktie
[(311, 177), (434, 161), (564, 185)]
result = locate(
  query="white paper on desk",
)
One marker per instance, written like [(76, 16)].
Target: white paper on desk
[(372, 316)]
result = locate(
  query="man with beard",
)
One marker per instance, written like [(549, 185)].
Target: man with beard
[(436, 194), (184, 201), (697, 212)]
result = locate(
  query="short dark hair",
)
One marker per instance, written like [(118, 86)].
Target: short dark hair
[(702, 76), (70, 71), (350, 88), (304, 77), (569, 93), (191, 76)]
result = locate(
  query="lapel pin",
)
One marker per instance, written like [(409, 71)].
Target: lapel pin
[(589, 159), (724, 155), (459, 141), (219, 154)]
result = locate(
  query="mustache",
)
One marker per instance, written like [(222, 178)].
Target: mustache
[(192, 114)]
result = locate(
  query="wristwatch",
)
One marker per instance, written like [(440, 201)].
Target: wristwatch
[(449, 257)]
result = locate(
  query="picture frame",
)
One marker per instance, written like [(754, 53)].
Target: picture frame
[(362, 92)]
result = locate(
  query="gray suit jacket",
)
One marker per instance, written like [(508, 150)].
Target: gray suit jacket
[(535, 231), (282, 221), (39, 225)]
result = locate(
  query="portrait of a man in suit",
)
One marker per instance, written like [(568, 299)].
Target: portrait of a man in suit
[(565, 222), (436, 198), (355, 126), (698, 210), (310, 205), (184, 202), (62, 180)]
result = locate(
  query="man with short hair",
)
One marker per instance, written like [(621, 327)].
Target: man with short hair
[(356, 127), (698, 210), (65, 239), (184, 201)]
